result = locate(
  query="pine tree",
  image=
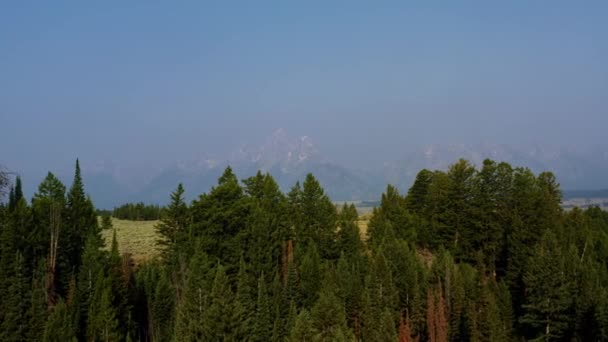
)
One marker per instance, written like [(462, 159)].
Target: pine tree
[(217, 323), (490, 217), (380, 302), (263, 323), (14, 323), (59, 326), (391, 219), (93, 263), (310, 283), (329, 318), (173, 225), (350, 287), (268, 225), (193, 303), (244, 305), (102, 322), (218, 219), (37, 312), (302, 330), (416, 198), (18, 190), (119, 280), (349, 237), (51, 194), (318, 218), (550, 292), (81, 221), (162, 309)]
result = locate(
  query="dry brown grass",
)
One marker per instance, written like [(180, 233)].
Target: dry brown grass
[(363, 222)]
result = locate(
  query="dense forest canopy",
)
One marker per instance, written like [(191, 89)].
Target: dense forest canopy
[(138, 212), (470, 254)]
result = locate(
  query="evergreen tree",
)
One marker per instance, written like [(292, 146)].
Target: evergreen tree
[(162, 309), (173, 225), (80, 222), (329, 318), (349, 237), (51, 193), (217, 322), (310, 283), (416, 198), (14, 321), (318, 218), (244, 305), (219, 217), (263, 323), (93, 263), (37, 312), (550, 292), (302, 330), (102, 324), (59, 326), (268, 225), (194, 301)]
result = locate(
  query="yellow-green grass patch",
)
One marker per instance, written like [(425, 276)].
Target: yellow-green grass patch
[(138, 238)]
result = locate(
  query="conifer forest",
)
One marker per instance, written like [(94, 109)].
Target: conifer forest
[(474, 253)]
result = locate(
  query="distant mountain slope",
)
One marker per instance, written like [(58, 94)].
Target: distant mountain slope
[(289, 159), (585, 169)]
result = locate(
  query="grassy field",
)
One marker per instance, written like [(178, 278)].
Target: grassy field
[(135, 237), (362, 222)]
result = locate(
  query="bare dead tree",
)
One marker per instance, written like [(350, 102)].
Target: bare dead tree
[(55, 224), (4, 181)]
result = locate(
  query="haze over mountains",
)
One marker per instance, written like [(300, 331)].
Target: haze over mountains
[(290, 158)]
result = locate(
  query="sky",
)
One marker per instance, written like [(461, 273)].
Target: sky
[(145, 83)]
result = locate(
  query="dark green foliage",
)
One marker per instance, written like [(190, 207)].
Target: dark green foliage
[(59, 326), (218, 218), (550, 297), (102, 321), (244, 304), (138, 212), (329, 318), (51, 193), (310, 280), (263, 322), (80, 222), (217, 319), (14, 326), (162, 309), (194, 299), (172, 228), (37, 312), (349, 236), (468, 255), (392, 219), (262, 242), (315, 217), (302, 330)]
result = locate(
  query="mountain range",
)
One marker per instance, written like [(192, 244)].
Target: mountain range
[(289, 159)]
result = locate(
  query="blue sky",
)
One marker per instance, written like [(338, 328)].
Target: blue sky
[(150, 82)]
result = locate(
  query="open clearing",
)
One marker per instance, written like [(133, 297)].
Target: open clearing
[(135, 237)]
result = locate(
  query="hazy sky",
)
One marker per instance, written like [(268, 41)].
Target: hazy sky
[(149, 82)]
